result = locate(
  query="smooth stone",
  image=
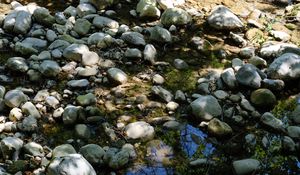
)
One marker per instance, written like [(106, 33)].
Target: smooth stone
[(82, 83), (29, 124), (175, 16), (50, 68), (11, 147), (82, 131), (14, 98), (86, 100), (276, 85), (159, 34), (293, 132), (41, 95), (229, 78), (245, 166), (17, 64), (173, 125), (263, 98), (257, 61), (84, 9), (117, 75), (247, 75), (15, 114), (158, 79), (70, 115), (92, 153), (51, 35), (139, 130), (43, 16), (246, 105), (180, 64), (30, 109), (269, 120), (119, 160), (218, 128), (72, 164), (206, 107), (90, 58), (147, 8), (87, 71), (75, 51), (150, 53), (104, 22), (34, 149), (133, 38), (164, 94), (295, 115), (82, 26), (271, 49), (63, 150), (133, 53), (288, 144), (52, 101)]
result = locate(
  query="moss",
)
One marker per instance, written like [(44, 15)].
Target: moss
[(57, 132), (284, 106), (184, 80)]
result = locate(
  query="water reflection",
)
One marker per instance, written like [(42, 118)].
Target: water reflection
[(191, 138)]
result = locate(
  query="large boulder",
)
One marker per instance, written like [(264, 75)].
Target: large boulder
[(285, 67), (206, 107), (73, 164), (175, 16), (222, 18), (18, 22)]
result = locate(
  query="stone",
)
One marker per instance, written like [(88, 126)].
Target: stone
[(63, 150), (10, 147), (206, 107), (293, 132), (222, 18), (158, 79), (30, 46), (95, 38), (52, 101), (82, 131), (117, 75), (269, 120), (247, 52), (104, 22), (172, 106), (82, 26), (18, 22), (285, 67), (82, 83), (179, 96), (147, 8), (180, 64), (72, 164), (59, 45), (15, 114), (288, 144), (166, 4), (173, 125), (295, 115), (119, 160), (92, 153), (280, 35), (229, 78), (34, 149), (150, 53), (43, 16), (139, 130), (175, 16), (17, 64), (271, 49), (263, 98), (276, 85), (257, 61), (86, 100), (218, 128), (87, 71), (84, 9), (14, 98), (50, 68), (29, 109), (133, 38), (133, 53), (246, 166), (70, 11), (70, 115), (41, 95), (58, 112), (245, 104), (247, 75), (2, 91), (90, 58), (237, 63), (220, 94), (75, 51), (29, 124), (162, 93), (51, 35)]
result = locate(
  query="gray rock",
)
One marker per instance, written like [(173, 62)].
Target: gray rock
[(271, 49), (95, 38), (219, 128), (59, 45), (44, 55), (43, 16), (29, 124), (158, 79), (295, 115), (34, 149), (222, 18), (63, 150), (248, 75), (257, 61), (173, 125), (41, 95), (276, 85), (165, 4), (222, 95), (147, 8), (229, 78), (133, 38), (288, 144), (269, 120), (263, 98), (92, 153), (82, 131), (206, 107), (280, 35), (60, 17), (17, 64), (293, 132), (86, 100), (70, 115), (72, 164), (139, 130), (18, 22), (14, 98), (34, 75), (150, 53), (75, 51), (2, 91), (82, 26), (133, 53), (15, 114), (245, 166), (82, 83), (51, 35), (236, 63), (90, 58), (119, 160), (30, 46), (84, 9), (29, 109), (52, 101), (247, 52), (246, 105), (70, 11), (11, 147), (104, 22), (180, 64), (50, 68), (175, 16), (162, 93), (179, 96), (117, 75), (285, 67), (87, 71)]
